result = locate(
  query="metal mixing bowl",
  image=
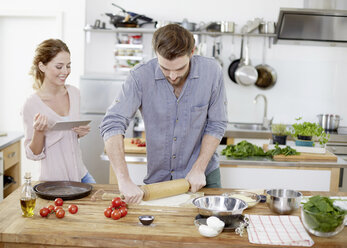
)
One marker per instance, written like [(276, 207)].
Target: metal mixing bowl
[(283, 201), (218, 205)]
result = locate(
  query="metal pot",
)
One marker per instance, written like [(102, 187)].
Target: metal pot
[(329, 122)]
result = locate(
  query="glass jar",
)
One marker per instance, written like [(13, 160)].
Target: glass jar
[(27, 197)]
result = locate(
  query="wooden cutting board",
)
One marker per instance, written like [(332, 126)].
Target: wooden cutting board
[(133, 148), (316, 157)]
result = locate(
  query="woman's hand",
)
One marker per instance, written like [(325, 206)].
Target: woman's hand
[(81, 130), (40, 123)]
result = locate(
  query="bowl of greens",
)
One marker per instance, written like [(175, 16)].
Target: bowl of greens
[(321, 217)]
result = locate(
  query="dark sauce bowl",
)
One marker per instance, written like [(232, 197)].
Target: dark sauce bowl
[(146, 219)]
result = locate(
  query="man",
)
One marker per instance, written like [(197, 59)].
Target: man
[(183, 104)]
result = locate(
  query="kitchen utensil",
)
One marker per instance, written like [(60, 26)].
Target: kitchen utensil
[(234, 64), (246, 74), (323, 223), (250, 198), (267, 76), (309, 157), (134, 16), (165, 189), (188, 25), (283, 201), (67, 190), (218, 205), (227, 27), (146, 220), (231, 222), (329, 122)]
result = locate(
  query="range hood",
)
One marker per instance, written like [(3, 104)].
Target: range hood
[(327, 27)]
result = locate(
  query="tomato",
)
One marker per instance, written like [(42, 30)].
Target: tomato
[(73, 209), (116, 202), (57, 208), (51, 208), (44, 212), (123, 204), (60, 213), (107, 212), (132, 141), (123, 211), (116, 214), (58, 202)]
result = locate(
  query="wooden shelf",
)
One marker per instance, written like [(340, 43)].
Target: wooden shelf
[(6, 186)]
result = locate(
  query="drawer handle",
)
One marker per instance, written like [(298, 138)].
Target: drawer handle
[(11, 155)]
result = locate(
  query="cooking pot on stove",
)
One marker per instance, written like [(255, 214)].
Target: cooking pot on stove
[(329, 122)]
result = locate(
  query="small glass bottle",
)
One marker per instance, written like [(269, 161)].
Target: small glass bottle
[(27, 197)]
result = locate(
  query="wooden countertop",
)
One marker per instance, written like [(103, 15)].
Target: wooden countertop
[(173, 227)]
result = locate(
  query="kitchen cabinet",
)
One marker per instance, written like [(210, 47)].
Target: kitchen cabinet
[(10, 149)]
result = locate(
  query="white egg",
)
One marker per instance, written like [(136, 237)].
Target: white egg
[(207, 231), (215, 223)]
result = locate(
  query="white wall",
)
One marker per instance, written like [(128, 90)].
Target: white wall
[(311, 79)]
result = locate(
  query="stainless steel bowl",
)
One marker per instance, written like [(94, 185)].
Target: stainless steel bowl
[(283, 201), (218, 205)]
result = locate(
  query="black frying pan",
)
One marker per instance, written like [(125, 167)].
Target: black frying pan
[(235, 64)]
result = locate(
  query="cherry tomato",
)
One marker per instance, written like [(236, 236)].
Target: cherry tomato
[(60, 213), (58, 202), (123, 204), (123, 211), (132, 141), (116, 214), (107, 212), (44, 212), (73, 209), (57, 208), (51, 208), (116, 202)]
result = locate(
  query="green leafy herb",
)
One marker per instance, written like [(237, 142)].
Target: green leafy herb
[(245, 149), (322, 215), (309, 129)]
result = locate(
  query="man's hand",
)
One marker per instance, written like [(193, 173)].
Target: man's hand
[(131, 192), (81, 130), (196, 179)]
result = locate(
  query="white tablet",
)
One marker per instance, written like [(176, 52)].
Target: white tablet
[(67, 125)]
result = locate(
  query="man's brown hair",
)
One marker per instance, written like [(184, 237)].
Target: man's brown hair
[(173, 41)]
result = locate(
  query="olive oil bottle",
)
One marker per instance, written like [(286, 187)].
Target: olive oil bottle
[(28, 197)]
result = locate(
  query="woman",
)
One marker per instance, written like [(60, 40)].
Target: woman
[(53, 101)]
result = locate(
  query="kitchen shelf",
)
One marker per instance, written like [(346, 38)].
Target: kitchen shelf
[(152, 30)]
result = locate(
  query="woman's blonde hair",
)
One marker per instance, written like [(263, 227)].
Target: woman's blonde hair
[(44, 53)]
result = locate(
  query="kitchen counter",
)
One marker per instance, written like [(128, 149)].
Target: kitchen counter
[(232, 132), (172, 227), (9, 139)]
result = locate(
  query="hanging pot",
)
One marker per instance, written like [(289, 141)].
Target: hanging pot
[(267, 76), (234, 65), (246, 74)]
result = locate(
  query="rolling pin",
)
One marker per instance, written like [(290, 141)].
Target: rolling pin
[(158, 190)]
